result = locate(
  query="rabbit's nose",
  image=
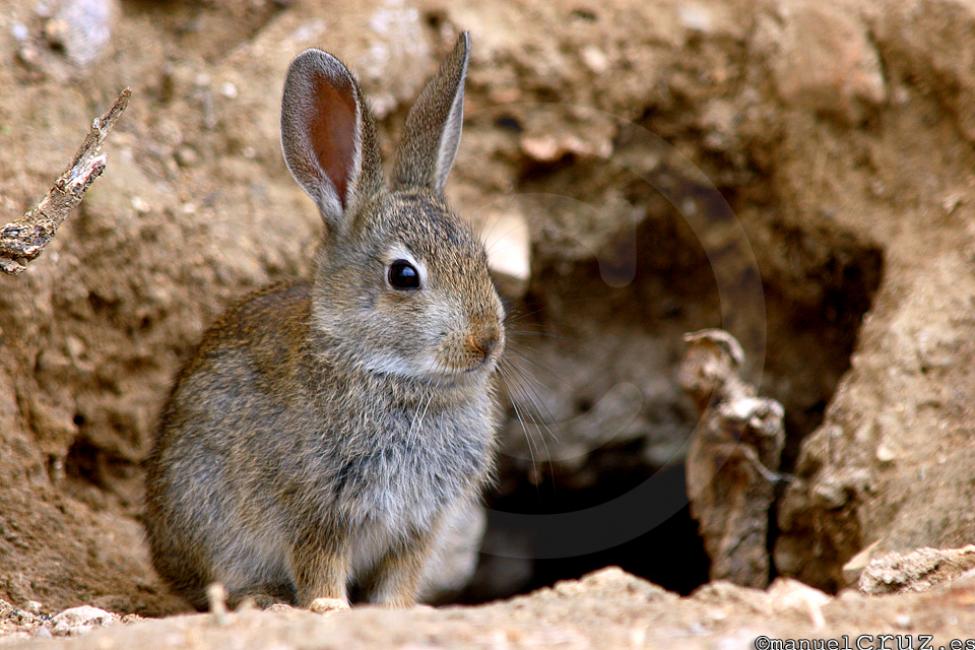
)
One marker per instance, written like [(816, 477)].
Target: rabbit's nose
[(483, 341)]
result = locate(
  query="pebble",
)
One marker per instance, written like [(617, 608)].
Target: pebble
[(830, 495), (885, 454), (20, 32), (82, 27), (140, 205), (78, 620), (186, 156), (595, 59), (228, 90), (695, 18), (824, 60), (55, 31)]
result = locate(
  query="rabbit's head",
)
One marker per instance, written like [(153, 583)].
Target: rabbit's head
[(402, 283)]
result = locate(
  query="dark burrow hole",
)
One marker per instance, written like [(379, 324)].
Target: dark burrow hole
[(98, 477), (83, 461), (588, 338), (669, 553)]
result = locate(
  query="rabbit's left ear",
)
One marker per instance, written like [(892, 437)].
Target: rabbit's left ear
[(433, 126)]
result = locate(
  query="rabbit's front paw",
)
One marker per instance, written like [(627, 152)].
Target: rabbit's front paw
[(325, 605)]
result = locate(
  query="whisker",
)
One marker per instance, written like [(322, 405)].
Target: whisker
[(521, 421), (521, 387), (538, 412), (520, 314), (528, 422), (535, 363), (515, 333)]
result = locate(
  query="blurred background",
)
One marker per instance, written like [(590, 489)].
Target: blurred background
[(797, 172)]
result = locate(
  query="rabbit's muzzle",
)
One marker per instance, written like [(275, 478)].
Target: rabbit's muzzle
[(482, 342)]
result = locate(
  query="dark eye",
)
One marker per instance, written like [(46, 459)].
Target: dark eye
[(403, 276)]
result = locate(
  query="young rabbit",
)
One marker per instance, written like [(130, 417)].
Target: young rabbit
[(322, 429)]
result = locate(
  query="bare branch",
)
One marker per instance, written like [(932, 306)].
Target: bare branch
[(22, 240)]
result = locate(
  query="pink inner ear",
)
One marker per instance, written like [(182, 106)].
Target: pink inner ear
[(332, 132)]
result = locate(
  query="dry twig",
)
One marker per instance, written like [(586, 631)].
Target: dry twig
[(22, 240)]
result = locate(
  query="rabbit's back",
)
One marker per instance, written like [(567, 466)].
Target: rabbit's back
[(212, 510)]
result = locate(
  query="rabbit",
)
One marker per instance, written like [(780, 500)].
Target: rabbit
[(323, 428)]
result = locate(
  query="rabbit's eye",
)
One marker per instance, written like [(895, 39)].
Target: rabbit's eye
[(403, 276)]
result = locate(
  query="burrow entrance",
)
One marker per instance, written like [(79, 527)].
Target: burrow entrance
[(600, 363)]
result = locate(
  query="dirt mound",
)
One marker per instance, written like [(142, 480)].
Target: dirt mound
[(609, 609)]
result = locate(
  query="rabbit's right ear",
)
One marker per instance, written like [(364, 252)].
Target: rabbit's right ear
[(328, 136)]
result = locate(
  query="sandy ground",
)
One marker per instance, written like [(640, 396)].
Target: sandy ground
[(609, 609)]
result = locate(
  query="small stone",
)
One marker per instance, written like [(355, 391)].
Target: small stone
[(79, 620), (29, 56), (595, 59), (83, 28), (327, 605), (55, 31), (20, 32), (822, 59), (140, 205), (228, 90), (830, 495), (186, 156), (885, 454), (544, 149), (695, 18), (33, 606), (76, 349), (951, 202)]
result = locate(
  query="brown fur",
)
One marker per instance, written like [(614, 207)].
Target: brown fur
[(322, 429)]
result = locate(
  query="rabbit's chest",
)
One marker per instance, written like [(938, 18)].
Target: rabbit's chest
[(413, 471)]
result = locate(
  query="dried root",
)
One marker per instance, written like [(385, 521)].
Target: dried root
[(732, 464), (21, 241)]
